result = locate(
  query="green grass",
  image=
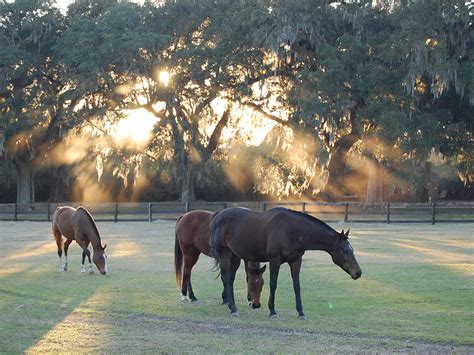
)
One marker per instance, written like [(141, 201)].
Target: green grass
[(415, 295)]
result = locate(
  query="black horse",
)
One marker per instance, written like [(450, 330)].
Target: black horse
[(278, 235)]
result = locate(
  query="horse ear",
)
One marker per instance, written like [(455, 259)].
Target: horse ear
[(343, 235), (262, 270), (105, 246), (347, 234)]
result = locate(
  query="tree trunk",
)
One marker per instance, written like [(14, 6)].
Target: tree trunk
[(431, 183), (374, 182), (188, 193), (2, 142), (338, 157), (59, 176), (337, 162), (25, 173)]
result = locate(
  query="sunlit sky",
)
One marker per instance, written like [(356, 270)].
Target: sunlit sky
[(63, 4)]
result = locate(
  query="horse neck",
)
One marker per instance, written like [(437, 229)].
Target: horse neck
[(318, 237), (94, 238), (96, 245)]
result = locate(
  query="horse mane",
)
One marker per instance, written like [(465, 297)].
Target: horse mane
[(92, 221), (307, 217)]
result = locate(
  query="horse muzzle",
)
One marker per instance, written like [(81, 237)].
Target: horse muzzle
[(103, 272), (256, 305), (357, 274)]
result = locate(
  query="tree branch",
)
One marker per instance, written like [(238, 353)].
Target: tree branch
[(273, 73), (266, 114), (216, 134)]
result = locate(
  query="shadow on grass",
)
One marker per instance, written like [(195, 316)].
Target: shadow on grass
[(34, 302), (419, 302)]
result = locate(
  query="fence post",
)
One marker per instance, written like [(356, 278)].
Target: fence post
[(225, 205), (48, 217), (264, 206), (388, 212), (116, 213), (15, 212), (150, 216), (433, 218), (346, 213), (304, 207), (186, 207)]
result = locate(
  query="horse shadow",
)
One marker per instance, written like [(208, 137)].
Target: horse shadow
[(32, 307)]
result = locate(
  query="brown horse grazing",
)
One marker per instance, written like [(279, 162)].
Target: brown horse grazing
[(192, 239), (278, 235), (78, 224)]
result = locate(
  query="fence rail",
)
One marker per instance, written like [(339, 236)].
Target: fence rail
[(327, 211)]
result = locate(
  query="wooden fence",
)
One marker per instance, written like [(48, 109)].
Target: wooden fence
[(330, 212)]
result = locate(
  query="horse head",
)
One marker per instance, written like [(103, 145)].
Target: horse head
[(254, 283), (100, 259), (342, 255)]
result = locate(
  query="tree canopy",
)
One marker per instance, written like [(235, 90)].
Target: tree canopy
[(314, 98)]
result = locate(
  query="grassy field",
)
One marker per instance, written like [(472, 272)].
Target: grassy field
[(415, 295)]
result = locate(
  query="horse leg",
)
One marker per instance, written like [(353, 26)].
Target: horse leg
[(234, 266), (224, 293), (249, 299), (66, 247), (186, 289), (86, 252), (295, 267), (91, 271), (226, 266), (59, 243), (274, 270)]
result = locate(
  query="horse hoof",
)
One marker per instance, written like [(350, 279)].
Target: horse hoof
[(274, 316), (194, 299), (235, 314), (184, 298), (302, 317)]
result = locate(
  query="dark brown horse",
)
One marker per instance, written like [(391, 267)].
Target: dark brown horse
[(78, 224), (192, 239), (278, 235)]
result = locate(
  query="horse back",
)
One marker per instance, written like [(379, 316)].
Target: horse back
[(193, 231), (243, 231)]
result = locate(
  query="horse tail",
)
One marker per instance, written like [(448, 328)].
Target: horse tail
[(214, 253), (178, 257)]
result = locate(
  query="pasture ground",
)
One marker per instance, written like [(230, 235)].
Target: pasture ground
[(415, 295)]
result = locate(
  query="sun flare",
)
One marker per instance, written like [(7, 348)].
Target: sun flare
[(136, 128), (164, 77)]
